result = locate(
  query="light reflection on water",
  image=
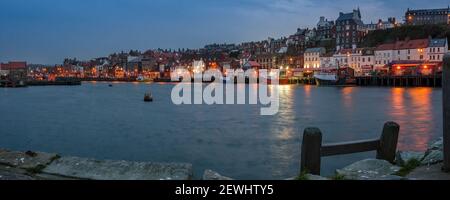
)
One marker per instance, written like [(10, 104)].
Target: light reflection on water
[(103, 122)]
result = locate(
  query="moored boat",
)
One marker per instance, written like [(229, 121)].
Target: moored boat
[(340, 77)]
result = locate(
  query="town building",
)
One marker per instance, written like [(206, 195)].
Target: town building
[(382, 25), (349, 30), (420, 52), (405, 50), (327, 61), (362, 60), (325, 29), (427, 16), (14, 71), (267, 60), (437, 49), (312, 57), (342, 57)]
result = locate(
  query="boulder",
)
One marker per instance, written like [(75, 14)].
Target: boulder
[(403, 157), (437, 145), (369, 169), (6, 175), (433, 157), (212, 175), (29, 160), (91, 169)]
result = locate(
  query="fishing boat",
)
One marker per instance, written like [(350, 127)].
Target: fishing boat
[(140, 78), (340, 77)]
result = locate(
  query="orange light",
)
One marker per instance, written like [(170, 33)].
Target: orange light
[(399, 67), (425, 67)]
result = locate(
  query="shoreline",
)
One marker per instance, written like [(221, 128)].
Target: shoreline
[(31, 165)]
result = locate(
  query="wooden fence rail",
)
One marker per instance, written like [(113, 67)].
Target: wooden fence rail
[(312, 149)]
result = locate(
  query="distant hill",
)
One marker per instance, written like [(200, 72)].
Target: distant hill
[(378, 37)]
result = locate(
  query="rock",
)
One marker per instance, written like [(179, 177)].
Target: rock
[(212, 175), (369, 169), (83, 168), (5, 175), (431, 172), (437, 145), (29, 160), (403, 157), (11, 173), (433, 157)]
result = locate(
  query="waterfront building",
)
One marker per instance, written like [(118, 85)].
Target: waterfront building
[(437, 49), (426, 53), (349, 30), (327, 61), (312, 57), (362, 60), (342, 57), (428, 16), (14, 71), (405, 50), (325, 29), (384, 54)]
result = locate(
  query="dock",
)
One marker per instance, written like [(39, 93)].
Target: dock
[(400, 81)]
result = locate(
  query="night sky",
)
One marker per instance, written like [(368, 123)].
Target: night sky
[(47, 31)]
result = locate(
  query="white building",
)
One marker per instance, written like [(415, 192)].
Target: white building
[(360, 59), (312, 57), (327, 61), (437, 49), (384, 54)]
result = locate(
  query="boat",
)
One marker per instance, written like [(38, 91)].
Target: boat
[(140, 78), (148, 97), (339, 77)]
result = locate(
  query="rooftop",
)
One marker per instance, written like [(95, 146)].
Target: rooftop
[(315, 50), (438, 42)]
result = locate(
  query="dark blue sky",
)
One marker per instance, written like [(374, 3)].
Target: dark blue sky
[(46, 31)]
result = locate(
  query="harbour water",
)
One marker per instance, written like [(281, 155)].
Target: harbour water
[(98, 121)]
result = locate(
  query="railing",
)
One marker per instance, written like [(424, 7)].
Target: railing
[(312, 149)]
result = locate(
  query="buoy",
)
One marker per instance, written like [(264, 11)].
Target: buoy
[(110, 85), (148, 97)]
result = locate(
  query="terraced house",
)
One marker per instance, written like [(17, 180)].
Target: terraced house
[(350, 30)]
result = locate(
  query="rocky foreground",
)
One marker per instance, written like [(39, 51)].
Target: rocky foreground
[(46, 166)]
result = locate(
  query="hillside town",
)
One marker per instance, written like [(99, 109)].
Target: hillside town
[(331, 45)]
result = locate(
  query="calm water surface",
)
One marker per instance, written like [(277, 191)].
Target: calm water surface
[(94, 120)]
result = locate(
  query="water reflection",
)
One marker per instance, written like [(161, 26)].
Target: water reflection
[(412, 109), (347, 96), (283, 128)]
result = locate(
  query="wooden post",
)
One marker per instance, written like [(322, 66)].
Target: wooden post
[(446, 110), (311, 155), (388, 142)]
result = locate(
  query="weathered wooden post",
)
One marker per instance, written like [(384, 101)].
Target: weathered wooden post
[(446, 111), (388, 142), (311, 155)]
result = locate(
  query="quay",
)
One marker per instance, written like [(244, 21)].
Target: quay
[(400, 81), (53, 83)]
